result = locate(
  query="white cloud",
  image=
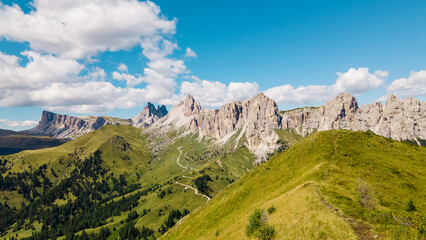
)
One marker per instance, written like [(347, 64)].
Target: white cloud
[(97, 74), (122, 67), (214, 94), (130, 80), (80, 29), (414, 85), (287, 94), (358, 81), (190, 53), (354, 81), (39, 71), (15, 123), (157, 48)]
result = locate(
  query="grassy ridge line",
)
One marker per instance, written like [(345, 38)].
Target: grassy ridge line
[(335, 162)]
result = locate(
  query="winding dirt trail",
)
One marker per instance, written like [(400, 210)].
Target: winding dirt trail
[(177, 160), (361, 230), (186, 187), (196, 190)]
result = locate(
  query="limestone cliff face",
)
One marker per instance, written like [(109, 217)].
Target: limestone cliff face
[(402, 119), (398, 119), (149, 115), (69, 127), (253, 119)]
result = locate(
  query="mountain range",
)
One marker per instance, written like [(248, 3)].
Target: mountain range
[(257, 122)]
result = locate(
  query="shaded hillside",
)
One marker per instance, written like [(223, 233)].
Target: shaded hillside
[(332, 185), (5, 132), (15, 143)]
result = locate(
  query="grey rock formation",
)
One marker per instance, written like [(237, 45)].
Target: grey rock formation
[(69, 127), (149, 115), (398, 119)]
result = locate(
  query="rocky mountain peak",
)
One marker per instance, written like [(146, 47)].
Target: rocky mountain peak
[(46, 118), (161, 111), (190, 106), (341, 106), (149, 115)]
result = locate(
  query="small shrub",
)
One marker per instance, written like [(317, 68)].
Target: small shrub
[(411, 207), (367, 196), (217, 232), (271, 209), (255, 220), (258, 225)]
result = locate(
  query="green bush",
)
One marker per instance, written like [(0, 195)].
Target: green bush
[(267, 232), (410, 206), (271, 209), (255, 220), (258, 224)]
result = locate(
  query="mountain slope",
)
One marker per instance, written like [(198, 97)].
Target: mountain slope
[(363, 175), (5, 132), (15, 143), (94, 183)]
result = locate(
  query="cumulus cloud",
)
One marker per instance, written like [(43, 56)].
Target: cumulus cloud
[(15, 123), (358, 81), (62, 33), (157, 48), (122, 67), (78, 29), (214, 94), (39, 71), (190, 53), (414, 85), (354, 81), (130, 79)]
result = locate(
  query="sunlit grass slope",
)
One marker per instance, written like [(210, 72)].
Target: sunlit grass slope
[(369, 179), (107, 139)]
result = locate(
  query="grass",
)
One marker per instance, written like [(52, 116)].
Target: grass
[(289, 136), (329, 165), (295, 109)]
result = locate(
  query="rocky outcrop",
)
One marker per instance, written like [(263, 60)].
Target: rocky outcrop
[(149, 115), (398, 119)]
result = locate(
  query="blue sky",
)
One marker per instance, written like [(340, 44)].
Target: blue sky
[(291, 50)]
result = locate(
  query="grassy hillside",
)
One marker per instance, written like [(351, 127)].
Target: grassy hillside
[(332, 185), (109, 182)]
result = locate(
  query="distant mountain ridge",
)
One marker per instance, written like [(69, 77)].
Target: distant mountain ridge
[(70, 127), (253, 122)]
